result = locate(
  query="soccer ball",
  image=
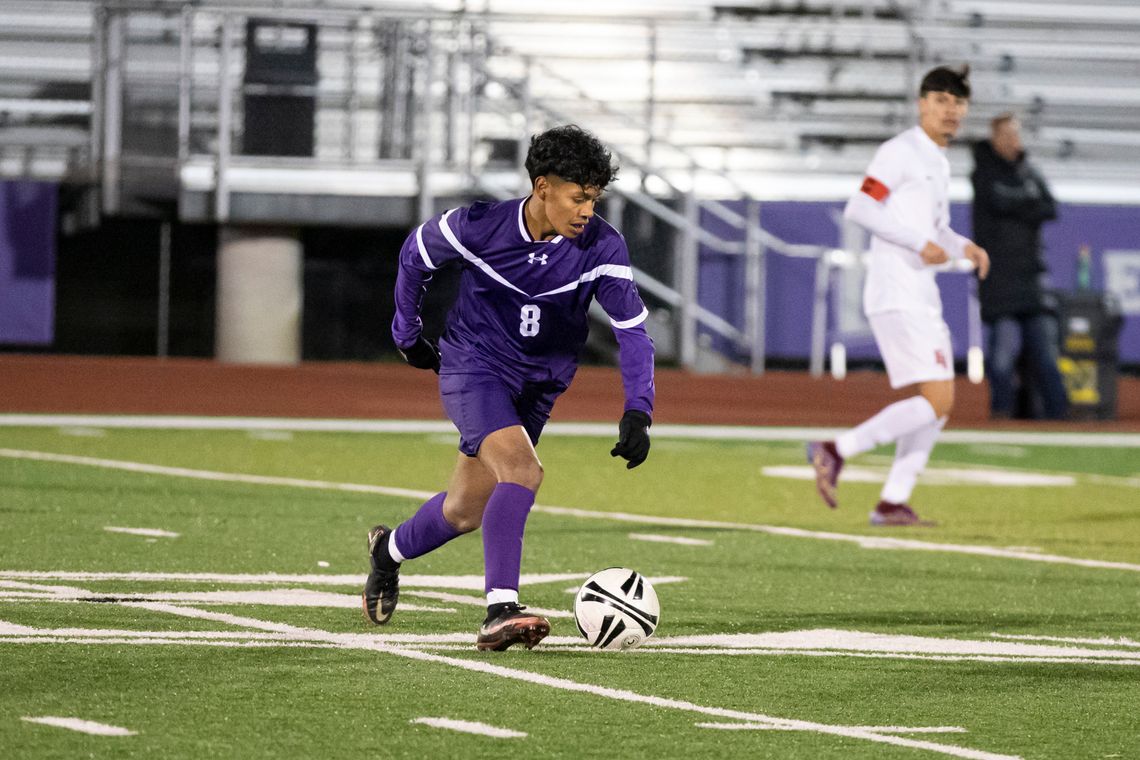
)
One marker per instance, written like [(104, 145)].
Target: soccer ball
[(616, 608)]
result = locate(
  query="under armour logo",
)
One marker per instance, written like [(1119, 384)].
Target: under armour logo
[(535, 257), (940, 359)]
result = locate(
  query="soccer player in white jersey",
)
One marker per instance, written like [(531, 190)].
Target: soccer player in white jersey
[(903, 202)]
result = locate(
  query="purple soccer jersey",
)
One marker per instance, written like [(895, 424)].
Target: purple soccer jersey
[(522, 307)]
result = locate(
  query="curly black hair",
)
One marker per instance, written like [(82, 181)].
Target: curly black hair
[(572, 154), (945, 79)]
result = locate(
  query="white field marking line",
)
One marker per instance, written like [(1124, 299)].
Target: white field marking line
[(866, 542), (152, 639), (875, 729), (586, 429), (78, 724), (152, 532), (224, 477), (13, 630), (355, 641), (813, 643), (470, 727), (1123, 481), (772, 652), (1104, 640), (170, 642), (275, 598), (40, 588), (832, 639), (458, 582), (654, 538), (932, 476)]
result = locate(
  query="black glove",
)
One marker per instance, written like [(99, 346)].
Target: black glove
[(423, 354), (633, 438)]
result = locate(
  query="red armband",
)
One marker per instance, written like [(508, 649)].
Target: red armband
[(875, 189)]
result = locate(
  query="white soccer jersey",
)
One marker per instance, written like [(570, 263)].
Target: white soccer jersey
[(904, 203)]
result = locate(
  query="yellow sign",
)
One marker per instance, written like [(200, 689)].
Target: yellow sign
[(1080, 379)]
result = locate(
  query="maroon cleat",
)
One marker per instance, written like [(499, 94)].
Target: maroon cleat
[(827, 463), (888, 513), (511, 626)]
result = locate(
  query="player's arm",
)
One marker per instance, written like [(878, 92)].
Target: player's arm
[(868, 206), (961, 247), (618, 296), (425, 250)]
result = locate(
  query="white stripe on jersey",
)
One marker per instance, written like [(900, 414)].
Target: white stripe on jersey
[(423, 248), (605, 270), (483, 265), (628, 323)]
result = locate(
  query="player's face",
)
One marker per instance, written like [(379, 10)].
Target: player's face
[(941, 114), (568, 206)]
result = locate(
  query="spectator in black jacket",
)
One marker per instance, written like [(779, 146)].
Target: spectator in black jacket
[(1011, 202)]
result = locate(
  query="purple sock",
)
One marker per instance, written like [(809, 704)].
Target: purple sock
[(424, 531), (503, 522)]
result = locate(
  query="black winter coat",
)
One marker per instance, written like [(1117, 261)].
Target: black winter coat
[(1011, 201)]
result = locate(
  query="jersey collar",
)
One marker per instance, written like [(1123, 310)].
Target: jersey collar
[(525, 232)]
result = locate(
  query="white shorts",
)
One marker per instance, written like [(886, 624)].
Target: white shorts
[(915, 347)]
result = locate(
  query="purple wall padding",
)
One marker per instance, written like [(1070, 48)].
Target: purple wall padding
[(27, 262)]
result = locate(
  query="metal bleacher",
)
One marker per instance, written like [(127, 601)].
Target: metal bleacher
[(420, 104)]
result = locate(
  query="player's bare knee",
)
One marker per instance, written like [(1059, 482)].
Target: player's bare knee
[(526, 473), (465, 515)]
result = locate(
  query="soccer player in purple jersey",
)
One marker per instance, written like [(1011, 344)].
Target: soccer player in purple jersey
[(530, 268)]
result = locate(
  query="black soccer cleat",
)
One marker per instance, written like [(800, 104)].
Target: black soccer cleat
[(507, 625), (382, 589)]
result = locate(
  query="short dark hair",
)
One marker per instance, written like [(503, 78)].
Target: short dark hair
[(572, 154), (945, 79)]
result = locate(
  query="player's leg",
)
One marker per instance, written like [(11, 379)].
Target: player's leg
[(476, 404), (510, 456), (446, 515), (913, 352), (912, 451)]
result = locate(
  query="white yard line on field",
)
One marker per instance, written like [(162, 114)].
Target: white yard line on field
[(470, 727), (78, 724), (654, 538), (152, 532), (1104, 640), (866, 542), (10, 578), (293, 597), (356, 641), (933, 476), (586, 429), (875, 729)]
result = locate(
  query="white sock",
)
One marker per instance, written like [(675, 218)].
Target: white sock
[(502, 595), (393, 550), (889, 425), (911, 454)]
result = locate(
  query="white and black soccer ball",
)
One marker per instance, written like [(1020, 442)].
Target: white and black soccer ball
[(616, 608)]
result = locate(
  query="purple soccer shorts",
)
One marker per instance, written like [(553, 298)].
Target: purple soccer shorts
[(481, 402)]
